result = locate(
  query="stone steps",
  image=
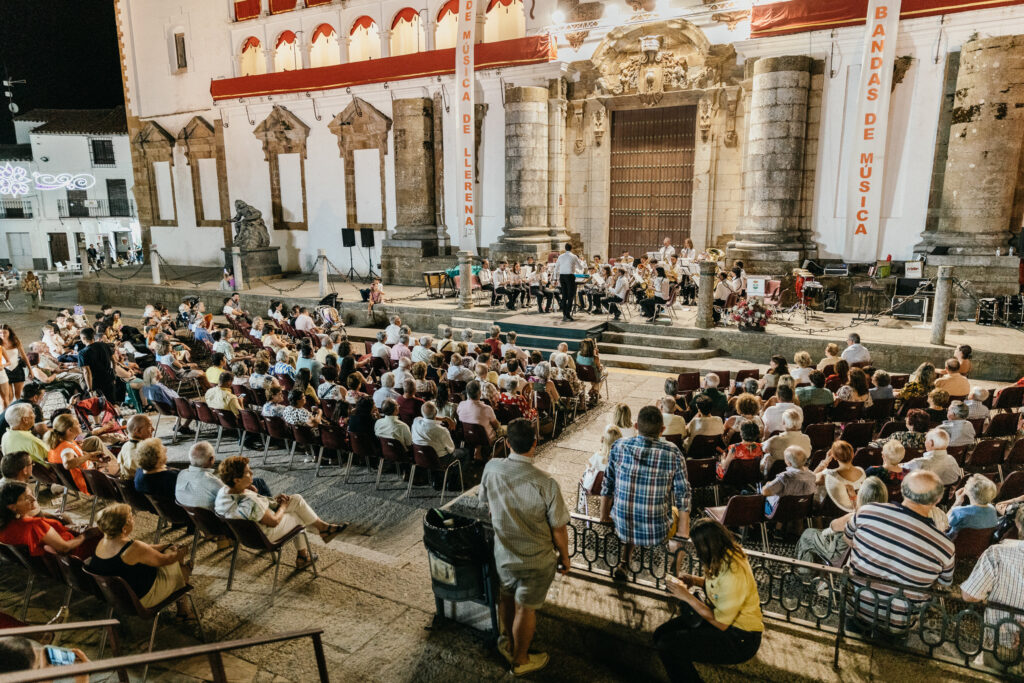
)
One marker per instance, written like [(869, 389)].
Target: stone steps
[(633, 339), (646, 351), (672, 366)]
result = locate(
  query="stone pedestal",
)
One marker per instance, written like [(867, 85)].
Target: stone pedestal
[(769, 239), (987, 275), (526, 175), (980, 203), (256, 263), (416, 234)]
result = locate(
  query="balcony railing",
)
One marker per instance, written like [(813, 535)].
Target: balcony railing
[(15, 208), (96, 208)]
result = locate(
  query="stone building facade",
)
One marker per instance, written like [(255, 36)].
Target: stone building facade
[(612, 124)]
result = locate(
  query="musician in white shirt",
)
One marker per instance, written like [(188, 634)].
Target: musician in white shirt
[(722, 290), (660, 285), (503, 285), (539, 282), (594, 290), (688, 253), (517, 279), (566, 266), (617, 292), (486, 279), (667, 251)]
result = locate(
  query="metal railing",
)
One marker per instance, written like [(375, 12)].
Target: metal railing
[(96, 208), (213, 652), (981, 636), (15, 208)]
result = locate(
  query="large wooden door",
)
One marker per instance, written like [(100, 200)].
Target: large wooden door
[(59, 248), (651, 178)]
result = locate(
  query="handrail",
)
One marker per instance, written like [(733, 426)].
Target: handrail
[(212, 651), (107, 624)]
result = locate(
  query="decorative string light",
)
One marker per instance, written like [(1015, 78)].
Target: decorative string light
[(15, 181)]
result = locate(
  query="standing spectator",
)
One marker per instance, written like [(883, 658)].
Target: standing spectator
[(529, 518), (936, 459), (998, 577), (855, 352), (729, 630), (645, 489), (33, 288), (98, 360), (877, 535), (980, 514)]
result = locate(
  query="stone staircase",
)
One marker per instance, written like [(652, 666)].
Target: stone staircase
[(636, 346)]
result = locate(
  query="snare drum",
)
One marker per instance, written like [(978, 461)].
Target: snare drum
[(812, 291)]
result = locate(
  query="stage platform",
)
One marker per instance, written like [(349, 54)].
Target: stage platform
[(896, 345)]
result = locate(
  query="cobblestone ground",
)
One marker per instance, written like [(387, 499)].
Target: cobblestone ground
[(373, 598)]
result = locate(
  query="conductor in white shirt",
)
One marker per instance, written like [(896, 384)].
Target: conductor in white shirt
[(667, 251), (566, 266)]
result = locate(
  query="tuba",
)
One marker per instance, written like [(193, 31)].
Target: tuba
[(712, 254)]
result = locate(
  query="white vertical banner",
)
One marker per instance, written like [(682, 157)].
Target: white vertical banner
[(867, 160), (465, 87)]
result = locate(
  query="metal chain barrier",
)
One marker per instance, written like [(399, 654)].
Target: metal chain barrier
[(114, 275), (306, 277), (174, 275)]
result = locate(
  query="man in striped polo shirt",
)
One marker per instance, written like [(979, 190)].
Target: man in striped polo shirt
[(899, 544)]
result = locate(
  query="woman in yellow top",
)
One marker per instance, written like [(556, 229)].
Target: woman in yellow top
[(727, 632)]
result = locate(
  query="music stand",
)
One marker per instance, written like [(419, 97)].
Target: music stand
[(348, 239), (368, 242)]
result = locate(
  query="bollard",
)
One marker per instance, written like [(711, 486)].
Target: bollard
[(465, 280), (154, 263), (321, 263), (943, 288), (236, 267), (706, 295)]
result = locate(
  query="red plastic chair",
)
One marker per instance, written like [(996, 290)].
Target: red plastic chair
[(206, 525), (971, 543), (822, 435), (393, 451), (332, 437), (890, 428), (475, 436), (228, 421), (1013, 486), (702, 446), (365, 446), (867, 457), (687, 381), (277, 428), (1009, 398), (743, 512), (206, 416), (1001, 424), (740, 474), (700, 473), (252, 423), (858, 434), (986, 454), (425, 457)]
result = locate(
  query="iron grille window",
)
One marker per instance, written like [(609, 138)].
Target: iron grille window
[(179, 51), (102, 152)]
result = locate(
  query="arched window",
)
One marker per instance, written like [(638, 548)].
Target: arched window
[(406, 33), (365, 40), (447, 25), (252, 62), (286, 53), (323, 49), (506, 20)]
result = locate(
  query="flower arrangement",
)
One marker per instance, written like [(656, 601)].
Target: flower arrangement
[(750, 314)]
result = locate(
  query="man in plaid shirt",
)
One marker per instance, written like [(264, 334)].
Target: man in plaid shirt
[(645, 476)]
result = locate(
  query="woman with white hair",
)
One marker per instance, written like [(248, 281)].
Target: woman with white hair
[(980, 514), (467, 339), (285, 365), (890, 471), (936, 459), (447, 343), (976, 404), (511, 396), (563, 371), (542, 380)]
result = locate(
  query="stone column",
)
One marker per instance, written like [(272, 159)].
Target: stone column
[(943, 287), (429, 34), (343, 45), (465, 279), (154, 264), (416, 234), (980, 204), (321, 266), (768, 239), (236, 267), (557, 107), (526, 174), (706, 295), (984, 149), (385, 44)]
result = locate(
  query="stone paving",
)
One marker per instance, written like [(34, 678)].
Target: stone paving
[(374, 601)]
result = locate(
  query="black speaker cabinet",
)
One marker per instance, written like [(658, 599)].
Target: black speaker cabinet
[(910, 307), (348, 237), (366, 237)]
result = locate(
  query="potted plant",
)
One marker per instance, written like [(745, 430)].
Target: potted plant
[(750, 315)]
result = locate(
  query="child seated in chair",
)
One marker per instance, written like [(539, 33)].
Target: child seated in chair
[(748, 449)]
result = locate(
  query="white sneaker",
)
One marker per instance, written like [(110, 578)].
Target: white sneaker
[(536, 662)]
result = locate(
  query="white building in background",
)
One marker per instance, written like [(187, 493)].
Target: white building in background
[(65, 185)]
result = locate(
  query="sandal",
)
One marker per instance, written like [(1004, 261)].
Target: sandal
[(331, 532), (303, 562)]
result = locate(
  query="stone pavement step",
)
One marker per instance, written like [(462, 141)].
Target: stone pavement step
[(657, 341), (651, 351)]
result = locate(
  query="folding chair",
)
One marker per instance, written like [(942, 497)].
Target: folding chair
[(743, 512), (394, 451), (332, 437), (425, 457), (250, 535)]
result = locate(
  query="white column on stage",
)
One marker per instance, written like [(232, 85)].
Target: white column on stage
[(943, 289), (321, 264), (706, 295), (236, 266), (154, 263)]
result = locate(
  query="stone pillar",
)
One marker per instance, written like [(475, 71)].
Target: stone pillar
[(557, 107), (768, 239), (321, 265), (985, 145), (416, 235), (236, 267), (980, 205), (943, 287), (154, 264), (343, 45), (429, 34), (465, 279), (385, 44), (526, 174), (706, 295)]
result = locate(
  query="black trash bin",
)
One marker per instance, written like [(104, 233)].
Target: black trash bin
[(460, 559)]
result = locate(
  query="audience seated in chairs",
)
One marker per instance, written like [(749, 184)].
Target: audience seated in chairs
[(153, 476), (829, 545), (22, 525), (960, 431), (795, 480), (65, 450), (704, 423), (842, 482), (277, 516), (748, 448), (390, 427), (890, 472), (775, 447), (153, 572), (936, 459), (980, 513)]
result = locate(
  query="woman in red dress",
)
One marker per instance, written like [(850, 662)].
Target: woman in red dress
[(17, 528)]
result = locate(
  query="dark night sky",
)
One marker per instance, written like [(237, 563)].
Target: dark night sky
[(65, 49)]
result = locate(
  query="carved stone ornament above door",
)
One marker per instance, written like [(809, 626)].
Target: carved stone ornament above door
[(650, 60)]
